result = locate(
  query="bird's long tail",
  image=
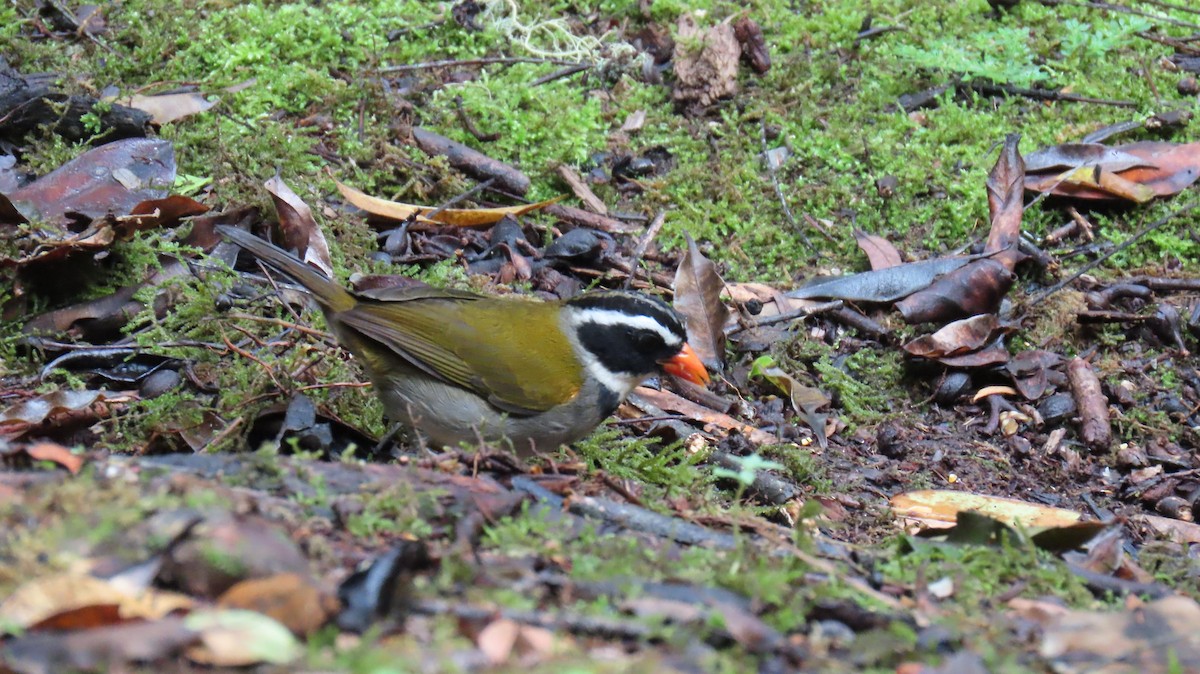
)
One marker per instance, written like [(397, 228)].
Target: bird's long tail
[(331, 296)]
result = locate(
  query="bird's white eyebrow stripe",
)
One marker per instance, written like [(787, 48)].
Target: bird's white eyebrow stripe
[(609, 317)]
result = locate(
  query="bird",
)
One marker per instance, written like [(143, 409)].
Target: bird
[(460, 367)]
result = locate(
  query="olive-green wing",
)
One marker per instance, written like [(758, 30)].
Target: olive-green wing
[(510, 352)]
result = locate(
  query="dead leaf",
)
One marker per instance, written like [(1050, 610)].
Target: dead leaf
[(698, 299), (976, 288), (297, 226), (880, 252), (458, 217), (938, 509), (236, 638), (42, 599), (666, 400), (956, 338), (1135, 172), (1156, 637), (109, 648), (19, 418), (110, 179), (52, 451), (1006, 205), (167, 108), (290, 598), (884, 285), (706, 74)]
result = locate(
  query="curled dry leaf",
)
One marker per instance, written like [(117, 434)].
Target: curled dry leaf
[(956, 338), (16, 419), (458, 217), (698, 299), (976, 288), (299, 229)]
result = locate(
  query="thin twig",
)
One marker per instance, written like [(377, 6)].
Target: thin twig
[(1116, 249), (454, 200), (1121, 9), (469, 124), (559, 74), (787, 211), (491, 60), (643, 243)]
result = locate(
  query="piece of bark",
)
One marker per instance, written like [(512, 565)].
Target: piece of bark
[(577, 217), (1094, 427), (472, 162), (27, 102), (581, 189)]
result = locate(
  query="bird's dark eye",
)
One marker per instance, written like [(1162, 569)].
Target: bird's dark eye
[(647, 342)]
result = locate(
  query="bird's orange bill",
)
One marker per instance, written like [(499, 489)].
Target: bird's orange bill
[(686, 365)]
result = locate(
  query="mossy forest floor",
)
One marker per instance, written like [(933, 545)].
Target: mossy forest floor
[(230, 441)]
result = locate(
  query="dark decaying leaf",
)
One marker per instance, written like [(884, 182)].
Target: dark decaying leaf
[(382, 593), (18, 418), (974, 289), (224, 550), (992, 354), (806, 400), (110, 179), (111, 648), (298, 228), (880, 252), (884, 285), (698, 298), (1028, 370)]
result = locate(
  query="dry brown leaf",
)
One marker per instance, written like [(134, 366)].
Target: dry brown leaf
[(42, 598), (167, 108), (52, 451), (698, 299), (938, 509), (671, 402), (880, 252), (290, 598), (298, 227), (1156, 637), (458, 217)]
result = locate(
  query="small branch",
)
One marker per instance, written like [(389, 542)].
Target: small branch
[(1116, 249), (492, 60), (644, 242)]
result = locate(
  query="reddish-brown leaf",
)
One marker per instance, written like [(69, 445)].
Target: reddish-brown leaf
[(880, 252)]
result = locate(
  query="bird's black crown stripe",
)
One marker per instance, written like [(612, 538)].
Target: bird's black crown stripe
[(632, 304)]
